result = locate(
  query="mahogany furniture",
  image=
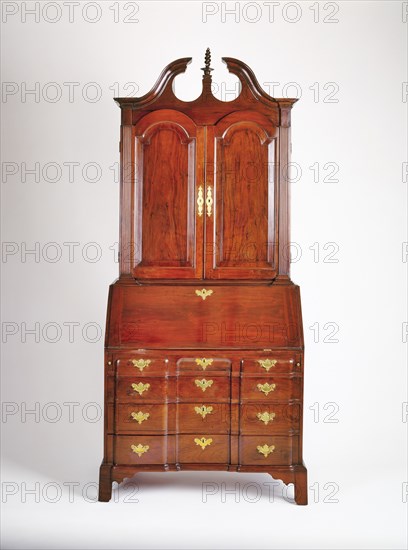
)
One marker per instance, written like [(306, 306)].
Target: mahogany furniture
[(204, 339)]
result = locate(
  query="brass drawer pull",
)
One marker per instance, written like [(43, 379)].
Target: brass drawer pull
[(140, 449), (140, 363), (203, 442), (200, 201), (204, 384), (266, 388), (203, 410), (267, 363), (265, 449), (140, 387), (209, 200), (140, 416), (204, 362), (266, 417), (203, 293)]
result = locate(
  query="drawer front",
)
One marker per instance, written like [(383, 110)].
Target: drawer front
[(203, 365), (149, 449), (208, 417), (264, 450), (134, 364), (203, 388), (264, 418), (270, 388), (145, 418), (271, 363), (203, 448), (139, 389)]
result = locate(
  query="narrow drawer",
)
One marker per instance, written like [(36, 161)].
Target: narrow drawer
[(142, 365), (270, 388), (207, 417), (264, 450), (271, 364), (144, 418), (204, 365), (203, 448), (269, 419), (139, 389), (203, 388), (146, 449)]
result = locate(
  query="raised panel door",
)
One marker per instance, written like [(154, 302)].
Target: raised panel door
[(168, 240), (240, 177)]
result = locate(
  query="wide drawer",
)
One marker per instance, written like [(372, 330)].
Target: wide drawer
[(203, 388), (139, 389), (264, 418), (208, 417), (178, 316), (146, 449), (270, 388), (263, 450), (135, 419), (202, 448)]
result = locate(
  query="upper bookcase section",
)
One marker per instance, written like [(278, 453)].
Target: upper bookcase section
[(207, 109)]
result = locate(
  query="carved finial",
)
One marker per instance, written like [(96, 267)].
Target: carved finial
[(207, 60)]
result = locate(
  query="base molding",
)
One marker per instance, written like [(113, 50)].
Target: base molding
[(295, 473)]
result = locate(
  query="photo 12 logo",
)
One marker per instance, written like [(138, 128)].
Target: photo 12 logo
[(70, 12), (270, 12)]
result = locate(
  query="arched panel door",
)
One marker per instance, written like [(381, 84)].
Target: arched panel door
[(168, 236), (240, 182)]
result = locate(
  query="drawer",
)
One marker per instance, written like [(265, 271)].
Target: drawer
[(203, 365), (145, 418), (203, 388), (270, 388), (140, 389), (264, 450), (149, 449), (142, 365), (264, 418), (203, 448), (271, 363), (208, 417)]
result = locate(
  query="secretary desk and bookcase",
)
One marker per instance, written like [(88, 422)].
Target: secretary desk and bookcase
[(204, 339)]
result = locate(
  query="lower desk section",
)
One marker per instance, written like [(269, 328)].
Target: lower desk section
[(203, 449)]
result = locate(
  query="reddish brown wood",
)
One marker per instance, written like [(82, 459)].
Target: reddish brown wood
[(247, 316), (166, 240), (156, 423), (217, 421), (280, 362), (188, 451), (155, 390), (157, 364), (159, 449), (285, 449), (287, 418), (218, 388), (282, 389), (162, 337), (240, 236)]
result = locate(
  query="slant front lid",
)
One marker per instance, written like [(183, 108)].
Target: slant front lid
[(243, 317)]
